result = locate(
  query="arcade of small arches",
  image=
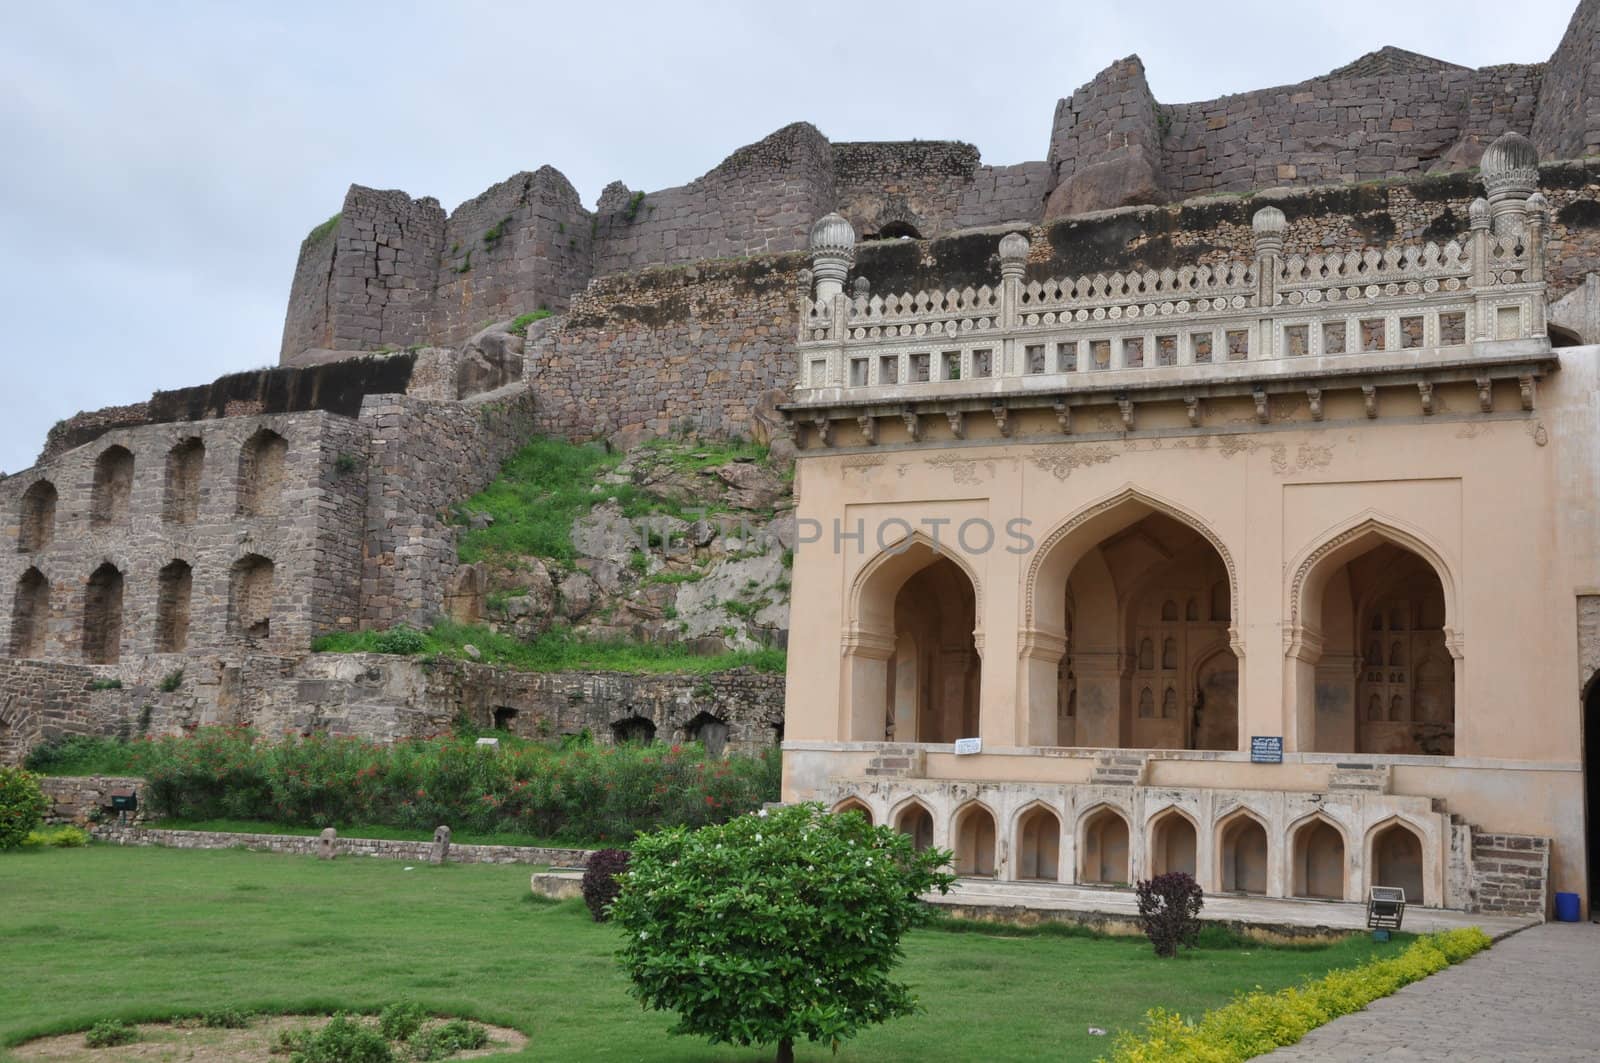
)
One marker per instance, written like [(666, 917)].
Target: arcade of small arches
[(1254, 845), (1129, 640)]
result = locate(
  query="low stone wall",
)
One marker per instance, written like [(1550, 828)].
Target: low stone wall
[(298, 845), (83, 799), (1510, 874)]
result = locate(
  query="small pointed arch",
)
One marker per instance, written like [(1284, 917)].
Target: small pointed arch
[(1396, 856), (250, 597), (895, 564), (102, 615), (112, 493), (1169, 653), (1147, 655), (1174, 842), (976, 838), (180, 502), (36, 525), (1103, 849), (854, 804), (710, 731), (1037, 830), (1191, 611), (262, 463), (30, 614), (1355, 537), (635, 729), (1244, 854), (915, 819), (1320, 858), (174, 590), (1169, 611)]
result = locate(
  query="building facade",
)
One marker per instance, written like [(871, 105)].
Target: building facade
[(1269, 570)]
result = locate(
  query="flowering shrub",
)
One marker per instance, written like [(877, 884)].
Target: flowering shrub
[(22, 806), (774, 928), (600, 885), (1169, 911), (1256, 1023), (581, 794)]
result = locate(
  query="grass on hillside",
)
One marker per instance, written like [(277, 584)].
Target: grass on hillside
[(557, 651), (81, 755), (147, 933), (548, 484)]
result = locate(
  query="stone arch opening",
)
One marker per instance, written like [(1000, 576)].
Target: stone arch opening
[(1376, 672), (262, 462), (853, 804), (1319, 860), (180, 503), (1174, 844), (505, 718), (710, 731), (37, 524), (898, 229), (112, 493), (913, 667), (916, 821), (1395, 858), (1127, 666), (30, 615), (102, 616), (1039, 844), (635, 730), (174, 591), (250, 597), (1242, 842), (975, 841), (1103, 850)]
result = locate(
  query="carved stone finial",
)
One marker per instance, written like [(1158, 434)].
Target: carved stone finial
[(833, 249), (1013, 254), (1510, 169), (1538, 208), (860, 288), (1269, 224), (1478, 213)]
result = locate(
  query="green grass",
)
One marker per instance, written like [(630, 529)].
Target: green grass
[(559, 651), (81, 755), (139, 934), (394, 834), (519, 324)]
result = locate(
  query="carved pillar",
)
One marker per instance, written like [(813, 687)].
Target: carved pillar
[(1039, 659), (1268, 224), (1479, 240), (1300, 689), (1336, 719), (1100, 699), (866, 677)]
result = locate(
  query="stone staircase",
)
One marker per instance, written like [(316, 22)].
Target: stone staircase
[(1118, 769), (1359, 778)]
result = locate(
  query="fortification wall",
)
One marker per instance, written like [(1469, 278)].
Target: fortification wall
[(384, 271), (1566, 124), (761, 199), (664, 349), (889, 187)]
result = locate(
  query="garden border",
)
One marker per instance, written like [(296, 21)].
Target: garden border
[(307, 845)]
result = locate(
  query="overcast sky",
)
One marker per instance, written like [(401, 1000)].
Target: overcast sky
[(160, 163)]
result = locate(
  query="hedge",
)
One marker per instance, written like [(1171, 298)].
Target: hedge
[(1258, 1022)]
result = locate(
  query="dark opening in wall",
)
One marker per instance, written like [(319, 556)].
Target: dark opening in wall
[(710, 731), (181, 501), (38, 524), (261, 469), (113, 487), (250, 598), (634, 729), (30, 614), (102, 616), (898, 230), (504, 718), (174, 589)]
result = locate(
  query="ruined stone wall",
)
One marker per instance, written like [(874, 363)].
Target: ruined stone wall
[(761, 199), (1105, 144), (304, 845), (1000, 194), (308, 319), (892, 185), (384, 269), (425, 457), (524, 244), (1567, 122), (688, 347)]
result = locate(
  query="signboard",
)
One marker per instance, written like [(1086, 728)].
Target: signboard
[(1266, 749), (966, 746)]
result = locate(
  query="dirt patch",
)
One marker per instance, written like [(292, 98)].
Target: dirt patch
[(193, 1043)]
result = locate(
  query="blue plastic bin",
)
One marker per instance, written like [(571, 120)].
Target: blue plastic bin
[(1567, 907)]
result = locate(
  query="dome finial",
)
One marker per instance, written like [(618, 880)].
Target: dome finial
[(833, 249)]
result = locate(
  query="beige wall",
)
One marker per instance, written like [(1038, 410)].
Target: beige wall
[(1502, 503)]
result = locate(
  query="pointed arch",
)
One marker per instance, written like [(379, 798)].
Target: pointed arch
[(898, 562), (1396, 854), (1352, 538), (977, 838), (30, 614), (1173, 840), (913, 817), (854, 804), (1319, 850), (1036, 833), (1104, 848), (1243, 851)]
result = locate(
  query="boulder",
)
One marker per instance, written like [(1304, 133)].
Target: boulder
[(751, 485), (1130, 178)]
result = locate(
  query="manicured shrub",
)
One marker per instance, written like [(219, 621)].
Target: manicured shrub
[(400, 1021), (600, 886), (57, 838), (108, 1033), (344, 1040), (22, 806), (446, 1039), (774, 928), (1169, 911), (1258, 1022)]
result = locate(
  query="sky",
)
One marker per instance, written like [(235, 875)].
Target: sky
[(160, 164)]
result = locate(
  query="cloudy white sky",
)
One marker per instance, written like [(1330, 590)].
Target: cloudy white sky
[(160, 163)]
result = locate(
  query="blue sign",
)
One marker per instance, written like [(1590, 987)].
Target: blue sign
[(1266, 749)]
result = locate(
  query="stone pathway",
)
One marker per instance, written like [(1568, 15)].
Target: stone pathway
[(1533, 996)]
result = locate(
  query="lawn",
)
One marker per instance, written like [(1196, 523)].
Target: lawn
[(142, 933)]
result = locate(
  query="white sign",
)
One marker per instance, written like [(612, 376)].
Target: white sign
[(492, 742), (968, 746)]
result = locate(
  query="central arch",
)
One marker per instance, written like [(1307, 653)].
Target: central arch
[(912, 667), (1129, 631)]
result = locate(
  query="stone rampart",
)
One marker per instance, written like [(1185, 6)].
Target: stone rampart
[(1566, 124)]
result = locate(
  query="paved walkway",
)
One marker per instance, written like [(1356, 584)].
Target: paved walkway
[(1533, 996)]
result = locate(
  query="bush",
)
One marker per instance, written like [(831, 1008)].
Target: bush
[(226, 1019), (1258, 1022), (448, 1038), (171, 681), (400, 1021), (22, 806), (774, 928), (80, 755), (401, 641), (108, 1033), (600, 886), (1169, 911), (57, 838), (343, 1040)]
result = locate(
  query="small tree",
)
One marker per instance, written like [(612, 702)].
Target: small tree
[(22, 806), (1169, 910), (774, 927), (600, 885)]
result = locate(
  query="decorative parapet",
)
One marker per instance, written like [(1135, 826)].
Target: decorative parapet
[(1342, 312)]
